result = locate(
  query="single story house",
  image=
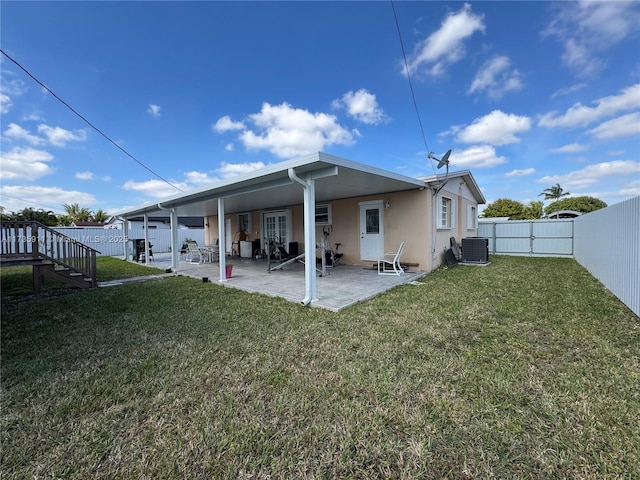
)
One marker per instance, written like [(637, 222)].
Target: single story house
[(367, 210)]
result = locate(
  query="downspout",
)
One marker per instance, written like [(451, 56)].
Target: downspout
[(309, 236)]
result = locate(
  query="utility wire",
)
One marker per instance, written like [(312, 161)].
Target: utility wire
[(406, 66), (88, 122), (40, 205)]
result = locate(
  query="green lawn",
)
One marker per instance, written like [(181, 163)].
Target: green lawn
[(527, 368), (18, 280)]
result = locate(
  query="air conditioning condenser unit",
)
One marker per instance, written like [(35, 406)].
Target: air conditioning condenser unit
[(475, 250)]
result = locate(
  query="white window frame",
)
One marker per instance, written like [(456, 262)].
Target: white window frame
[(323, 217), (450, 220), (472, 217), (249, 229)]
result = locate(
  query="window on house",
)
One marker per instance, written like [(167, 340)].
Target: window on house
[(472, 217), (446, 212), (244, 222), (323, 214)]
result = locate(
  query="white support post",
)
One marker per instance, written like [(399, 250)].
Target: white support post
[(175, 248), (309, 209), (125, 232), (310, 240), (146, 239), (221, 241)]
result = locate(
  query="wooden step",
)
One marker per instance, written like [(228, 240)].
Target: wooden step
[(64, 275)]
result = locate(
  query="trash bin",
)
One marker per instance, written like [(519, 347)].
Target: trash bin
[(228, 271)]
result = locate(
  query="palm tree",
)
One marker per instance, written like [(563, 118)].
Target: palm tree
[(100, 216), (77, 214), (554, 193)]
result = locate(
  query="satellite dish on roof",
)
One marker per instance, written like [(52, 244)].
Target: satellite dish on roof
[(441, 162)]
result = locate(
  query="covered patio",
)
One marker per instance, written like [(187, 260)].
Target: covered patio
[(343, 286), (304, 181)]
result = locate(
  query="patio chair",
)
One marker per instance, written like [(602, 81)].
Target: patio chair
[(195, 252), (389, 264)]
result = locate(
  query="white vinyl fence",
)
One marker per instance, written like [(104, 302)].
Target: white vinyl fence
[(607, 244), (537, 238), (109, 242)]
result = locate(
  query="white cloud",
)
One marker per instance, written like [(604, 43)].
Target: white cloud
[(199, 178), (225, 124), (521, 173), (579, 115), (5, 103), (587, 29), (17, 197), (59, 136), (24, 164), (496, 128), (480, 156), (593, 173), (632, 189), (84, 175), (569, 90), (228, 147), (16, 132), (155, 188), (287, 132), (9, 85), (154, 110), (446, 45), (624, 126), (570, 148), (227, 170), (495, 78), (363, 106)]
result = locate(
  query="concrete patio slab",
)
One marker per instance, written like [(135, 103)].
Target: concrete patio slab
[(343, 286)]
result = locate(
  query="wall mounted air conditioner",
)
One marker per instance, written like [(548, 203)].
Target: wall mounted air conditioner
[(475, 250)]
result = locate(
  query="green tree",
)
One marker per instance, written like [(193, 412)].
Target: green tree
[(504, 207), (100, 216), (64, 220), (555, 192), (76, 213), (584, 204), (533, 210), (29, 214)]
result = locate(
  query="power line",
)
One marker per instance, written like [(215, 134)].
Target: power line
[(40, 205), (87, 121), (406, 66)]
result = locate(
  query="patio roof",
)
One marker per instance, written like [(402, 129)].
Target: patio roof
[(306, 180), (255, 190)]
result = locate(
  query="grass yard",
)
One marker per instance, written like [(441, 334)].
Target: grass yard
[(527, 368), (18, 281)]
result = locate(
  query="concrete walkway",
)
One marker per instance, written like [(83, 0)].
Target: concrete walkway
[(343, 286)]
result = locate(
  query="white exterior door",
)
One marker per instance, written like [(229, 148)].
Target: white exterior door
[(277, 227), (371, 230)]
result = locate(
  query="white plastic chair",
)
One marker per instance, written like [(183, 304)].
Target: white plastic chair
[(389, 264)]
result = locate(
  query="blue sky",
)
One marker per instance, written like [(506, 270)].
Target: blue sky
[(525, 94)]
